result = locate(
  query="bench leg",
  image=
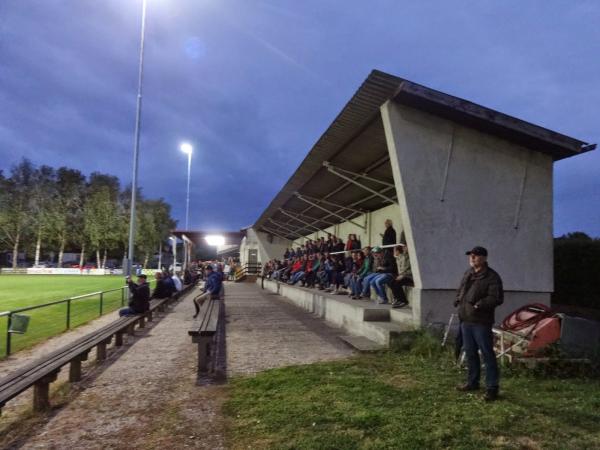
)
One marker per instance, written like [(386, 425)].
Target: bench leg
[(142, 322), (75, 370), (41, 393), (149, 316), (131, 329), (119, 339), (204, 350), (101, 351)]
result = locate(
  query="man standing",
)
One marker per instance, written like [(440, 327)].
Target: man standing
[(479, 293), (389, 236), (140, 297)]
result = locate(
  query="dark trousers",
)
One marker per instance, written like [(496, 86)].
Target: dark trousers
[(397, 288), (309, 278), (477, 337), (127, 312)]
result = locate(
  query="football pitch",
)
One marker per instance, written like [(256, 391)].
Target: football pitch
[(19, 291)]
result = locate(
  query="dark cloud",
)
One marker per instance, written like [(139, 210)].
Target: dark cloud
[(254, 84)]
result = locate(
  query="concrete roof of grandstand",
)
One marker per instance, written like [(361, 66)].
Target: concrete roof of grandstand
[(355, 143)]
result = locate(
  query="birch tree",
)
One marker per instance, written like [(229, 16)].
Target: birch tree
[(67, 213), (15, 197)]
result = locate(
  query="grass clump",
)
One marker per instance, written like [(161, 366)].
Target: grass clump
[(407, 400)]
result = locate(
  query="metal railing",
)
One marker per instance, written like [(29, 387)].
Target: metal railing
[(247, 269), (49, 319)]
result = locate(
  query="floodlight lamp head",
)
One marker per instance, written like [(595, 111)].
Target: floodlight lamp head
[(186, 148), (215, 240)]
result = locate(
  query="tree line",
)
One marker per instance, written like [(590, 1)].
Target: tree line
[(44, 209), (576, 269)]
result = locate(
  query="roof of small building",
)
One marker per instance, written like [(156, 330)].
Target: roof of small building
[(316, 196)]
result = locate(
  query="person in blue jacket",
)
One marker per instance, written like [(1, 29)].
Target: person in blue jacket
[(211, 290)]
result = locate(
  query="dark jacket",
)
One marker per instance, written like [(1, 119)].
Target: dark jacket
[(478, 296), (213, 284), (389, 236), (162, 290), (140, 297), (384, 263)]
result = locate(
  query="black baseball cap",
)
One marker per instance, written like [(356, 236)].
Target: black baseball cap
[(479, 251), (141, 275)]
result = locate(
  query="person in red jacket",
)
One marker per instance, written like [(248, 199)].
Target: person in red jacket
[(353, 243)]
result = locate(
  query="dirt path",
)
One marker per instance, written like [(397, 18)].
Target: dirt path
[(145, 395)]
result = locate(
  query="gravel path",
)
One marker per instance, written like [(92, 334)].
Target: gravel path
[(264, 331), (145, 395), (145, 398)]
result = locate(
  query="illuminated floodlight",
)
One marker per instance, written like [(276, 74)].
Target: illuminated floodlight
[(186, 148), (215, 240)]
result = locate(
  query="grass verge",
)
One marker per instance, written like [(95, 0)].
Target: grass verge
[(407, 401)]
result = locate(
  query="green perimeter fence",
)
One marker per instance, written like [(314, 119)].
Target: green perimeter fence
[(53, 318)]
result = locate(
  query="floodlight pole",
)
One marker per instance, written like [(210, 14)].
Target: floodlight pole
[(136, 145), (187, 200)]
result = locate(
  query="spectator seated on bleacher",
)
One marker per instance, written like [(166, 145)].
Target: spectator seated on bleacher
[(353, 244), (169, 281), (162, 289), (177, 282), (139, 302), (403, 278), (310, 277), (365, 269), (211, 290), (352, 278), (383, 274), (298, 270)]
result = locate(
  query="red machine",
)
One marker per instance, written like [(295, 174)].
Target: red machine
[(529, 330)]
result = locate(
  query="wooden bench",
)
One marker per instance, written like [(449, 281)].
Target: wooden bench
[(44, 371), (204, 332)]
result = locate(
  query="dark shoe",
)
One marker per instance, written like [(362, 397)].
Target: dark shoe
[(491, 395), (399, 304), (195, 315), (466, 387)]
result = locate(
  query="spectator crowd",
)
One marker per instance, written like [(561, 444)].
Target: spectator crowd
[(348, 268)]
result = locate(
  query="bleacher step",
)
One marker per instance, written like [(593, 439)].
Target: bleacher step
[(362, 344), (402, 315)]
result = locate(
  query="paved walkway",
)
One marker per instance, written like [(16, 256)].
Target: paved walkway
[(264, 331), (147, 396)]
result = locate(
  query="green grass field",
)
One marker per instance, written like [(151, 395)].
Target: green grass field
[(403, 401), (18, 291)]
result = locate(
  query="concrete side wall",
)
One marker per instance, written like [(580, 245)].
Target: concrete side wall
[(269, 247), (372, 221), (338, 313), (476, 204)]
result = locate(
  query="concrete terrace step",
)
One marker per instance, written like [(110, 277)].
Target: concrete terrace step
[(384, 332), (402, 315), (362, 344), (371, 311), (379, 323)]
